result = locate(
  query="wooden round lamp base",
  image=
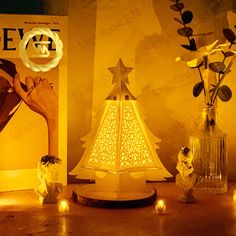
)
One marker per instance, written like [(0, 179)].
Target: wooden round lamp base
[(87, 195)]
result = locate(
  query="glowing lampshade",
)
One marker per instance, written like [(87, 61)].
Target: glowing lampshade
[(122, 155)]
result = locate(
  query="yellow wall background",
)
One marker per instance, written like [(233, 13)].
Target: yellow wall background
[(143, 34)]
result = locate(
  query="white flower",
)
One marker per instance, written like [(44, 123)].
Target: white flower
[(195, 58)]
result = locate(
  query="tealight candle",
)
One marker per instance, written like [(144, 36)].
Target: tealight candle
[(160, 206), (234, 196), (63, 206)]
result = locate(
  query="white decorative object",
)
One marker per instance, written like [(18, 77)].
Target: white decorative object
[(186, 179), (48, 174), (58, 51), (122, 155)]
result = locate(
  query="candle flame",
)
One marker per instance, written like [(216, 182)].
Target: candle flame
[(160, 206), (234, 196), (63, 206)]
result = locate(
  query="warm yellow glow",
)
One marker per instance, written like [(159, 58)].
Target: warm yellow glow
[(135, 151), (160, 206), (103, 153), (121, 142), (63, 206), (8, 202), (234, 196)]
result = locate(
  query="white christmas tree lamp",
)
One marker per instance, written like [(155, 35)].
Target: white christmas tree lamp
[(122, 155)]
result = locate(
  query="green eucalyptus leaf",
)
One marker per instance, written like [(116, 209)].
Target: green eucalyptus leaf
[(218, 67), (177, 6), (229, 35), (185, 31), (197, 89), (228, 53), (192, 46), (224, 93), (187, 17)]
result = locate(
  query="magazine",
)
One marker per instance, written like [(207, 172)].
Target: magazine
[(24, 137)]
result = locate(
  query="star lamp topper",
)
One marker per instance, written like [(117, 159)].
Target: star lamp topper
[(120, 72)]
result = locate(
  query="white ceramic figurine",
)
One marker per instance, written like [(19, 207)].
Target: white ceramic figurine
[(48, 173), (186, 179)]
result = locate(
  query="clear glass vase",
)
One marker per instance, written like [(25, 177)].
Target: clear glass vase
[(209, 147)]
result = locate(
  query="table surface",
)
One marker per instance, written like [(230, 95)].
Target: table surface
[(21, 214)]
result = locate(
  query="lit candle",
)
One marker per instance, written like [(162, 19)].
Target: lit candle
[(63, 206), (234, 196), (160, 206)]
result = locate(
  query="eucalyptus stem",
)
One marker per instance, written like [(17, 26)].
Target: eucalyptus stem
[(221, 78), (218, 77), (200, 73), (231, 44), (215, 92)]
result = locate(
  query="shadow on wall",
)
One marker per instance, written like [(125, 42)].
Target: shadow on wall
[(156, 53), (82, 24), (158, 118)]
